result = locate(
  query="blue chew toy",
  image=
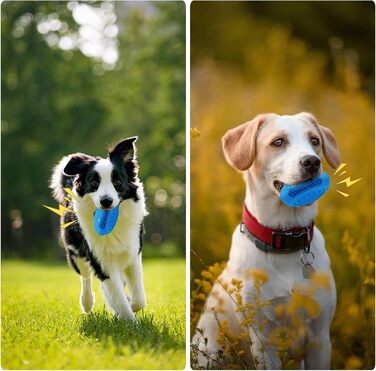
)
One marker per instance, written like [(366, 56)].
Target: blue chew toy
[(305, 193), (105, 220)]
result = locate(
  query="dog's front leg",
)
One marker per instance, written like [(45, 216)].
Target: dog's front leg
[(136, 285), (116, 298), (318, 358), (87, 296), (265, 357)]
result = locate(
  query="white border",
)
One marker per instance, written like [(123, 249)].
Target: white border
[(187, 178)]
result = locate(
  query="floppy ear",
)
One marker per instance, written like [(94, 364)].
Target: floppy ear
[(239, 144), (125, 150), (329, 143), (77, 163), (331, 150)]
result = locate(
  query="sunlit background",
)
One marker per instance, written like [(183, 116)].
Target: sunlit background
[(76, 77), (287, 57)]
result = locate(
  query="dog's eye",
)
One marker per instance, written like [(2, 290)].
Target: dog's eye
[(278, 142), (117, 182), (315, 141), (94, 183)]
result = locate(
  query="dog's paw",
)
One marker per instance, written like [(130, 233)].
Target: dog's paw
[(87, 303), (138, 304), (126, 316)]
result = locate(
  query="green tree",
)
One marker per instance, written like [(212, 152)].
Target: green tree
[(58, 101), (148, 87), (45, 112)]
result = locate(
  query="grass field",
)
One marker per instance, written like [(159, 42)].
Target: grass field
[(43, 328)]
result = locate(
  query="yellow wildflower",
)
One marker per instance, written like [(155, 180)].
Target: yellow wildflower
[(321, 279), (195, 133), (259, 276), (353, 363)]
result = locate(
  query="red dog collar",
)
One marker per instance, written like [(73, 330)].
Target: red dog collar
[(276, 240)]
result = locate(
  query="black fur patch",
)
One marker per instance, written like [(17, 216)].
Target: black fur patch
[(141, 237), (73, 237), (123, 178), (124, 174), (67, 181), (71, 262), (87, 180), (98, 270), (81, 167)]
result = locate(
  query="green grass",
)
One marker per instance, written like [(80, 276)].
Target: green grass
[(43, 328)]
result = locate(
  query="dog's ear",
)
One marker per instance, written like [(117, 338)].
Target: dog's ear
[(125, 150), (329, 143), (239, 144), (77, 163), (331, 150)]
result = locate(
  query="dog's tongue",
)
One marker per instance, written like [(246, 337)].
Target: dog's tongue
[(105, 220), (304, 194)]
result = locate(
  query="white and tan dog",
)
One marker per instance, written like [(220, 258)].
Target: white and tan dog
[(272, 150)]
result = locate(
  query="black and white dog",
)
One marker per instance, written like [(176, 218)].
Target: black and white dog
[(115, 259)]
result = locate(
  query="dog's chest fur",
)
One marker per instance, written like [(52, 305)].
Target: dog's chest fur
[(123, 242), (284, 271)]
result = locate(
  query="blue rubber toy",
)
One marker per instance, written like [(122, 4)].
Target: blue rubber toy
[(305, 193), (105, 220)]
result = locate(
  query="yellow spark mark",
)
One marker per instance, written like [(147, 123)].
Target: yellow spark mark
[(59, 211), (339, 168), (343, 193), (346, 181), (69, 191), (349, 182), (68, 224)]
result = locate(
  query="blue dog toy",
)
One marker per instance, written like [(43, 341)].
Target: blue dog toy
[(305, 193), (105, 220)]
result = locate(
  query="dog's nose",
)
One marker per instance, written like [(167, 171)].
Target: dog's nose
[(311, 164), (106, 202)]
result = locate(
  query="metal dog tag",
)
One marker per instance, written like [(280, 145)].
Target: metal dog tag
[(308, 271)]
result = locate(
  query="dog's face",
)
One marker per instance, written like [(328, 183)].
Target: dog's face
[(281, 149), (289, 151), (106, 182)]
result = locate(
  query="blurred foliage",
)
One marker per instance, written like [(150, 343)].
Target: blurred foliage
[(244, 65), (57, 102), (292, 315), (352, 31)]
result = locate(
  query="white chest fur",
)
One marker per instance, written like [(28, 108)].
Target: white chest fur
[(284, 270), (123, 243)]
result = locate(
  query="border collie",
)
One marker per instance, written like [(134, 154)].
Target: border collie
[(104, 183)]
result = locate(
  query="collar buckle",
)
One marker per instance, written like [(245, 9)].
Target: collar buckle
[(288, 236)]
